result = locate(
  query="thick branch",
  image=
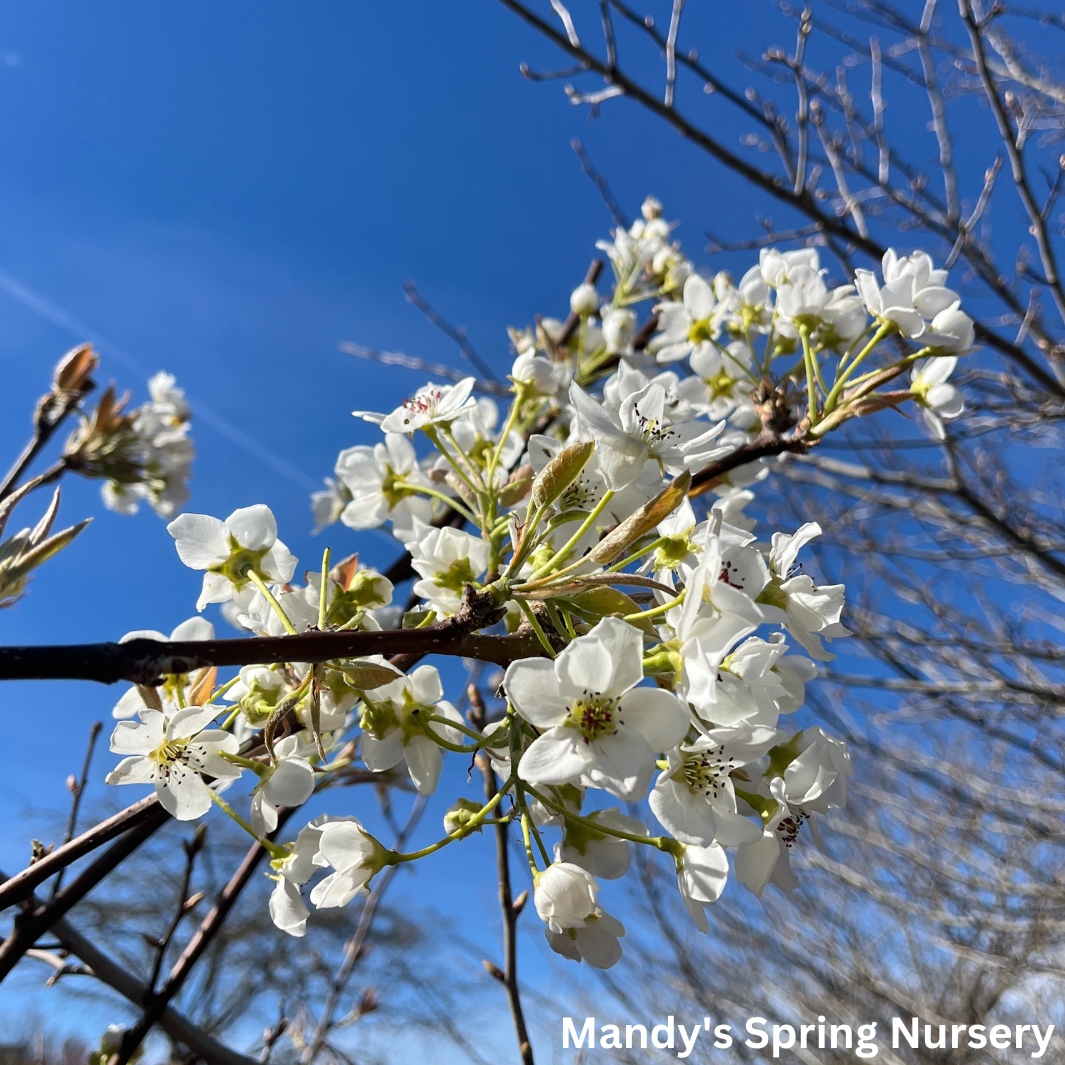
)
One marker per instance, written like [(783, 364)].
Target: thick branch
[(195, 948), (765, 445), (21, 885), (120, 979), (32, 923), (147, 661)]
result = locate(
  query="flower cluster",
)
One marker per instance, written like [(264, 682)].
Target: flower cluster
[(143, 455), (596, 531)]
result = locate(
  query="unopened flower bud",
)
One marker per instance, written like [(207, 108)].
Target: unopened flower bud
[(460, 815), (565, 896), (584, 300)]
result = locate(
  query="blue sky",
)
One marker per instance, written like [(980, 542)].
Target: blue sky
[(227, 192)]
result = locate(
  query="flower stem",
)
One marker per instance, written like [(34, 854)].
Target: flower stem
[(274, 604), (396, 857), (841, 378), (563, 554), (275, 851), (323, 592), (530, 617)]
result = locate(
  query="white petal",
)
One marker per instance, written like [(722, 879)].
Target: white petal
[(586, 666), (193, 629), (559, 756), (532, 686), (136, 769), (424, 761), (253, 527), (291, 783), (200, 540), (185, 796), (755, 862), (279, 563), (659, 716), (344, 845), (287, 909)]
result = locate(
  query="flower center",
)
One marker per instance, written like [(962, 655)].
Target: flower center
[(789, 826), (699, 331), (175, 758), (595, 715), (424, 402), (705, 772), (654, 431)]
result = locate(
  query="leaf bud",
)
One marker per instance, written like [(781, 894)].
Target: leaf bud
[(560, 473)]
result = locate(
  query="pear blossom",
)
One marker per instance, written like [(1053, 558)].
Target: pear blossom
[(287, 908), (382, 483), (935, 398), (355, 857), (815, 780), (600, 730), (642, 431), (390, 734), (537, 375), (173, 752), (694, 798), (245, 542), (685, 328), (912, 292), (431, 405), (447, 560), (565, 896), (808, 611), (595, 942)]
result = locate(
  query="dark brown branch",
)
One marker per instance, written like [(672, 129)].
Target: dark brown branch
[(765, 445), (33, 922), (20, 886), (509, 975), (194, 949), (147, 661)]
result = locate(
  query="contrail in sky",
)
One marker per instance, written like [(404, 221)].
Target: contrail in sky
[(57, 316)]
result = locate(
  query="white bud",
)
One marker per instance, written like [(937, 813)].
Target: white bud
[(584, 300)]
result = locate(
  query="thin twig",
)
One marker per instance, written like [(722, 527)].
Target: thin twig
[(671, 51), (508, 976), (33, 922), (456, 332), (1047, 255), (600, 182), (77, 788), (801, 115), (185, 903), (412, 362), (194, 949)]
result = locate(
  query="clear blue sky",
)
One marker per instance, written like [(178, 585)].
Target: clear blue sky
[(228, 191)]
